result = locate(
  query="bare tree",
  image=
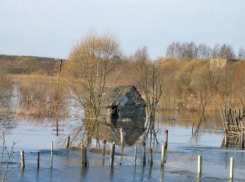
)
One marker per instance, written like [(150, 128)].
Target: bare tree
[(226, 51), (200, 83), (86, 73), (216, 51), (203, 51), (149, 81), (241, 54)]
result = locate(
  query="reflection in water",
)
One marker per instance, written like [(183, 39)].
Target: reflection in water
[(142, 172), (149, 172), (99, 130), (162, 174), (7, 123), (112, 134)]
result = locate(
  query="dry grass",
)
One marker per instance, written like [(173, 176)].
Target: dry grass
[(38, 95), (18, 78)]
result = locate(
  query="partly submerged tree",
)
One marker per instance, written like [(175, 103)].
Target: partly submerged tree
[(149, 81), (86, 73)]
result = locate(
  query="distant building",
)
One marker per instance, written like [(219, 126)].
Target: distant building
[(124, 106), (220, 62)]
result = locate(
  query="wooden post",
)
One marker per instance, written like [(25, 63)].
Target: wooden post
[(84, 159), (192, 129), (231, 168), (82, 156), (104, 147), (143, 152), (86, 156), (38, 159), (51, 152), (135, 154), (112, 153), (166, 139), (68, 142), (150, 156), (226, 139), (122, 136), (163, 156), (242, 140), (199, 166), (22, 156)]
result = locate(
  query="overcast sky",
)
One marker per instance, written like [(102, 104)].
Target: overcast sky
[(50, 28)]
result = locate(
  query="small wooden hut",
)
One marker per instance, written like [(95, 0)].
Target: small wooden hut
[(124, 106)]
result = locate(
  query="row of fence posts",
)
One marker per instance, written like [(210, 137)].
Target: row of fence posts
[(84, 158)]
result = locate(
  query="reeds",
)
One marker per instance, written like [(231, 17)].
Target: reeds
[(38, 95)]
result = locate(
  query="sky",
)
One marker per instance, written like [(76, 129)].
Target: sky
[(50, 28)]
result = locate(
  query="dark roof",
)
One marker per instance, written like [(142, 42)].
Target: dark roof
[(114, 95)]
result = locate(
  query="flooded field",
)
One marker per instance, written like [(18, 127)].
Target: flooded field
[(184, 145)]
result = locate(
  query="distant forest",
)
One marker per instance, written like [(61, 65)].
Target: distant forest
[(189, 50), (27, 64)]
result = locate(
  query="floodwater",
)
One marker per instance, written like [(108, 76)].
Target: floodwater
[(184, 145)]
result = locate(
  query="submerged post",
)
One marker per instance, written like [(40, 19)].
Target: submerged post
[(112, 153), (122, 136), (84, 159), (104, 147), (38, 159), (51, 152), (143, 153), (135, 154), (150, 156), (199, 166), (192, 129), (226, 139), (242, 140), (163, 156), (22, 156), (231, 168), (166, 139), (68, 142)]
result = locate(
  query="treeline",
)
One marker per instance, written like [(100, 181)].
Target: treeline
[(191, 84), (182, 80), (190, 50), (27, 64)]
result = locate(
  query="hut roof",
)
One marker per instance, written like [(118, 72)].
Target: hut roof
[(113, 96)]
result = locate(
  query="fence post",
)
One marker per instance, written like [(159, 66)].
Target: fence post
[(22, 156), (122, 137), (231, 168), (199, 166), (51, 152), (143, 152), (112, 153), (68, 142), (38, 159), (84, 159), (242, 140), (135, 154), (163, 156), (150, 156), (226, 138), (166, 139), (192, 129), (104, 146)]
